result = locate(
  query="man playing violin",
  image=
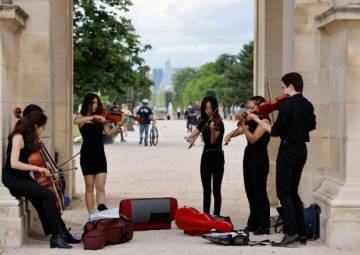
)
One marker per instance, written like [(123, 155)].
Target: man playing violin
[(295, 120)]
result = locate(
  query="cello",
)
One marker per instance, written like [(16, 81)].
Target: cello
[(41, 157)]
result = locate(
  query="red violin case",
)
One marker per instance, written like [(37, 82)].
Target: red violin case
[(195, 223), (149, 213), (100, 233)]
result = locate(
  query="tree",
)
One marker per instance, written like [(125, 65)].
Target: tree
[(230, 78), (107, 50), (180, 79)]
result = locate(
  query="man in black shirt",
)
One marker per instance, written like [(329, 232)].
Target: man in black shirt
[(295, 120), (145, 114)]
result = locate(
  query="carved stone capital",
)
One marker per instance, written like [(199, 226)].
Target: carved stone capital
[(13, 16)]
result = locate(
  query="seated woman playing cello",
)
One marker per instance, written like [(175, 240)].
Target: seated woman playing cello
[(22, 141)]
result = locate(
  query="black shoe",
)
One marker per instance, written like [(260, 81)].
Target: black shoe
[(123, 140), (58, 241), (140, 142), (102, 207), (302, 240), (146, 144), (249, 229), (286, 241), (261, 231), (68, 237)]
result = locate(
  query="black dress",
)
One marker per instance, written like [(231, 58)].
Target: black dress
[(92, 154), (256, 170), (21, 184), (212, 168)]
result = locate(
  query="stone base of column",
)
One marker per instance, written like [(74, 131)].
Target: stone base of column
[(340, 216), (13, 220)]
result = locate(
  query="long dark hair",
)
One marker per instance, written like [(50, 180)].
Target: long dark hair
[(26, 127), (257, 100), (87, 103), (214, 106), (31, 108)]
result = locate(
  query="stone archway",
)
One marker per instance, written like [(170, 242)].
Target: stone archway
[(319, 39), (36, 67)]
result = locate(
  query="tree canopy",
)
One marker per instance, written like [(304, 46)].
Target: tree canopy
[(107, 50)]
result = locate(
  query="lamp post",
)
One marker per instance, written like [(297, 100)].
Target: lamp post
[(130, 105)]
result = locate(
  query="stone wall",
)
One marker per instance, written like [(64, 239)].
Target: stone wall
[(36, 67), (320, 39)]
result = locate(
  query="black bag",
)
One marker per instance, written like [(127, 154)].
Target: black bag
[(238, 238), (312, 221)]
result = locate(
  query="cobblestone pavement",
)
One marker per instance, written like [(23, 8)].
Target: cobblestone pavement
[(169, 169)]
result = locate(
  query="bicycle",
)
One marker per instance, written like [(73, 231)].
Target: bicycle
[(154, 134)]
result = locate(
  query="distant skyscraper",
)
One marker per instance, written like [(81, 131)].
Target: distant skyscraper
[(163, 78), (157, 76)]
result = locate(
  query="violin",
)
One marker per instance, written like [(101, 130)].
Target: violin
[(115, 115), (41, 157), (241, 118), (217, 121), (269, 106)]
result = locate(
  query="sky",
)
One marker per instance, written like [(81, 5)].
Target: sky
[(192, 32)]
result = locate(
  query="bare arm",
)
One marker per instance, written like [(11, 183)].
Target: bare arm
[(80, 119), (259, 132), (234, 133), (263, 123), (17, 145), (112, 131), (194, 134)]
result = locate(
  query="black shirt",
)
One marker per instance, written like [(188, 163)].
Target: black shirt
[(10, 174), (262, 143), (295, 120), (206, 133), (145, 113)]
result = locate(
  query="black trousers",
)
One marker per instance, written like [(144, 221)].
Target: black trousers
[(212, 169), (289, 166), (256, 170), (43, 199)]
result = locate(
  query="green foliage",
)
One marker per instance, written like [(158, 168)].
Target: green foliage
[(230, 78), (107, 51)]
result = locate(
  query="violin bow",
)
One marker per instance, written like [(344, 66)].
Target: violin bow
[(111, 105), (270, 98), (232, 135), (66, 161), (207, 123), (64, 171)]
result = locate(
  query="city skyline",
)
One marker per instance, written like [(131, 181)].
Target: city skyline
[(191, 33)]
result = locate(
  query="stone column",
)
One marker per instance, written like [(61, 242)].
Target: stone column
[(268, 66), (12, 213), (339, 193)]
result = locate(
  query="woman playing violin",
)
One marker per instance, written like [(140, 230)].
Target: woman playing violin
[(92, 123), (255, 168), (295, 120), (16, 175), (212, 160)]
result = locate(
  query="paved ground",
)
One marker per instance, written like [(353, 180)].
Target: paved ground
[(169, 169)]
